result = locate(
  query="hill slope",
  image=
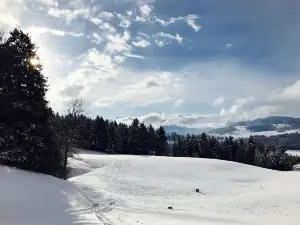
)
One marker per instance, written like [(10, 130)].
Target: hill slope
[(36, 199), (273, 125), (117, 189), (138, 190)]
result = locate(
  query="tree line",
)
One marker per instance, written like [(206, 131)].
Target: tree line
[(137, 139), (271, 155), (34, 137)]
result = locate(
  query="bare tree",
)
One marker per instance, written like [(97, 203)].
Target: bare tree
[(71, 128)]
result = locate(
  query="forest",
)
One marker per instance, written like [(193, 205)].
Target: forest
[(33, 137)]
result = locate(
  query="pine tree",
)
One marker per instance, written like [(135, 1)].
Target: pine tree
[(215, 148), (152, 140), (161, 141), (111, 139), (24, 111), (121, 139), (99, 135), (134, 141), (250, 151), (144, 140), (204, 150), (240, 152), (194, 147), (178, 150)]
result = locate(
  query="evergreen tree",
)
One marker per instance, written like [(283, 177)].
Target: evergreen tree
[(152, 140), (144, 140), (204, 150), (187, 146), (215, 148), (111, 139), (250, 151), (24, 111), (161, 141), (121, 139), (134, 141), (99, 135), (240, 152), (178, 149), (194, 147)]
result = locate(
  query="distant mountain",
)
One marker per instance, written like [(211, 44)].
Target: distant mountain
[(273, 123), (185, 130)]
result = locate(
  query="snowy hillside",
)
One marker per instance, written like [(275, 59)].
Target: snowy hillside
[(36, 199), (127, 190), (294, 152), (241, 131), (139, 190)]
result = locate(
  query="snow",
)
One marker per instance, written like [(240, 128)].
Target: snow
[(139, 190), (127, 190), (35, 199), (293, 152), (242, 132)]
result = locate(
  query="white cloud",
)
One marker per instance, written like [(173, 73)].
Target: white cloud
[(179, 38), (137, 91), (134, 56), (145, 10), (49, 2), (144, 35), (125, 20), (10, 12), (228, 46), (119, 59), (237, 106), (164, 39), (244, 101), (219, 101), (9, 20), (260, 112), (160, 43), (158, 119), (97, 39), (106, 15), (179, 102), (69, 14), (290, 92), (35, 31), (141, 43), (96, 20), (99, 59), (125, 23), (118, 43), (108, 27), (73, 91), (189, 19)]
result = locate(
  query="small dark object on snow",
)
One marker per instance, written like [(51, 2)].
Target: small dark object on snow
[(197, 190), (94, 205), (170, 207)]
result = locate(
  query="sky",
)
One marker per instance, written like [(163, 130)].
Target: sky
[(193, 63)]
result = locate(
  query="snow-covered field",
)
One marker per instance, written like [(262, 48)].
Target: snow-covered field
[(127, 190), (293, 152), (139, 190)]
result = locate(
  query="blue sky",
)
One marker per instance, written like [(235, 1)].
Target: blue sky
[(193, 63)]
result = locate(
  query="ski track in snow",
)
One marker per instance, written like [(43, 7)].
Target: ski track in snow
[(139, 189)]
